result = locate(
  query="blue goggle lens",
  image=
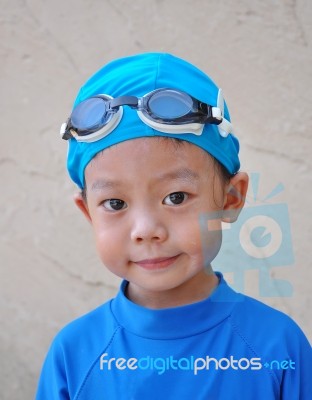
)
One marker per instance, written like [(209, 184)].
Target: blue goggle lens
[(170, 104), (90, 115)]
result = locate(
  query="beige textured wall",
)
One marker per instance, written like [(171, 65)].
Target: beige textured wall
[(258, 51)]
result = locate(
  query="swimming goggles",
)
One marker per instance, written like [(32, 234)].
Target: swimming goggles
[(166, 110)]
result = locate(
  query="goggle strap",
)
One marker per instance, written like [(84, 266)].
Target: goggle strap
[(220, 101), (63, 133), (216, 113), (225, 127)]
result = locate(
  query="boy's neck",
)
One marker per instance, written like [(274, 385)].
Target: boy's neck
[(194, 290)]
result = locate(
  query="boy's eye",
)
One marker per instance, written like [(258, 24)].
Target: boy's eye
[(175, 198), (114, 204)]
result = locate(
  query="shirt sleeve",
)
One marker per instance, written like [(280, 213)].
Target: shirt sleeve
[(296, 381), (53, 382)]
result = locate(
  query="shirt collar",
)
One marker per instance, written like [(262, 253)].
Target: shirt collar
[(175, 322)]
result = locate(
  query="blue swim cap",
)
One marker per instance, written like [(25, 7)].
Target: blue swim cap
[(136, 76)]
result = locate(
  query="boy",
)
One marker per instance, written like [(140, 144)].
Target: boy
[(152, 150)]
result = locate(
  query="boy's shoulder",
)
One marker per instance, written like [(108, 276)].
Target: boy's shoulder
[(266, 329), (92, 327), (75, 348), (253, 318), (263, 314)]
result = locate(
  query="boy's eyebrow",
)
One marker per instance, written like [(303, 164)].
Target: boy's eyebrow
[(104, 184), (182, 173)]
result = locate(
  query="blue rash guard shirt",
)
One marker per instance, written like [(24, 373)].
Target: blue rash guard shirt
[(228, 346)]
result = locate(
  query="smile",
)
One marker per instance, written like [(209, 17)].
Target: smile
[(157, 263)]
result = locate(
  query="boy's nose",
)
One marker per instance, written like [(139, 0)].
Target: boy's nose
[(147, 227)]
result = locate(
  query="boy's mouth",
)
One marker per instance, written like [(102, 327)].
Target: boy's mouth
[(157, 263)]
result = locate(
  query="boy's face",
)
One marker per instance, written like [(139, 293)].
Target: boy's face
[(144, 199)]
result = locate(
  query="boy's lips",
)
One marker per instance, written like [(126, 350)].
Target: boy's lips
[(157, 263)]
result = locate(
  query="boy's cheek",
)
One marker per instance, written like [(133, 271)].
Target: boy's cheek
[(111, 258), (210, 236)]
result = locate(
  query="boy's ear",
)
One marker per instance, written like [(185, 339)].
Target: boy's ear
[(82, 205), (235, 197)]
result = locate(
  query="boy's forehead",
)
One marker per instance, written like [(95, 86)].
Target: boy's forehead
[(166, 158)]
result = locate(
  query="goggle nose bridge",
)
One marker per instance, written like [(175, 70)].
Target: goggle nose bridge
[(130, 101)]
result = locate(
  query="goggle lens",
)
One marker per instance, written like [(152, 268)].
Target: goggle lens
[(90, 115), (170, 104)]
